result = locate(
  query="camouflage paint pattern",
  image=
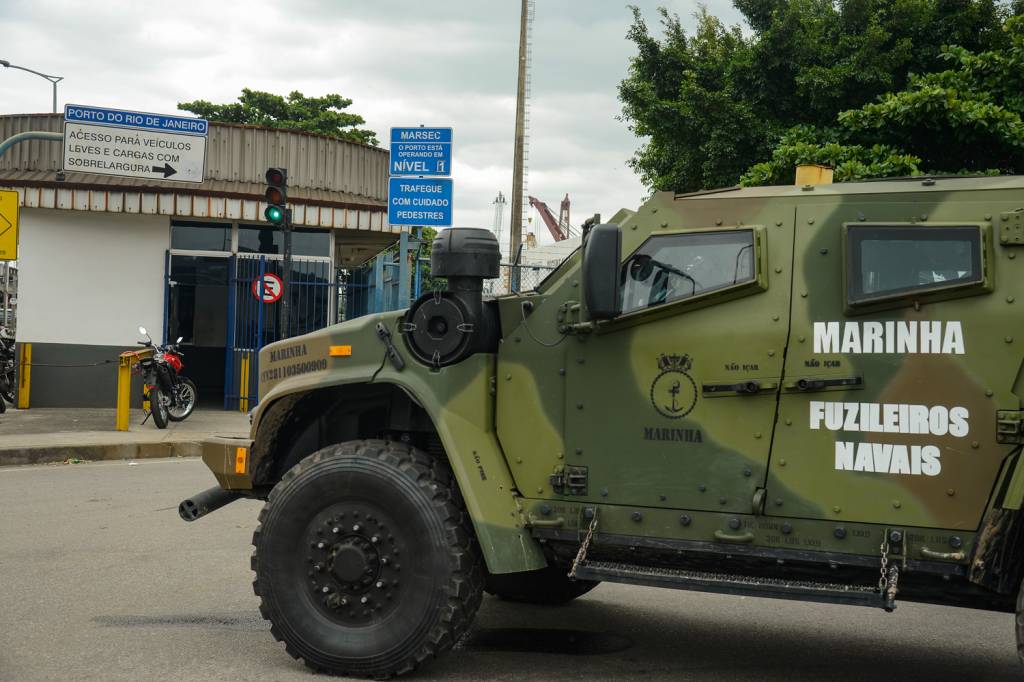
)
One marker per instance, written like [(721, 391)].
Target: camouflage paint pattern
[(736, 467)]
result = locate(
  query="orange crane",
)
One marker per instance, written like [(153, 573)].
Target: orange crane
[(559, 228)]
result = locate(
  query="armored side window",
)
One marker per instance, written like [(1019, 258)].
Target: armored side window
[(885, 261), (674, 267)]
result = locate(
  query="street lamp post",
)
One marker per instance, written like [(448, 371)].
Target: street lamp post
[(53, 79)]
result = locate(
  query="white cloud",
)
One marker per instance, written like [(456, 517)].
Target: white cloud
[(402, 62)]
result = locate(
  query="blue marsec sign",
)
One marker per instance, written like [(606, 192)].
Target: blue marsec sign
[(421, 151)]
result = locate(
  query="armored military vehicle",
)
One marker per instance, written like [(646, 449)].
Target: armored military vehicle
[(809, 392)]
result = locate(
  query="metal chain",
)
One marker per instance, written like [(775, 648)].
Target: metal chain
[(582, 554), (894, 579), (883, 579)]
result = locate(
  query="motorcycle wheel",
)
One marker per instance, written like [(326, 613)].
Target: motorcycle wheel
[(158, 407), (186, 402), (7, 388)]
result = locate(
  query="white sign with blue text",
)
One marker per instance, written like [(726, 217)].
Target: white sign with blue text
[(420, 201), (134, 144), (421, 151)]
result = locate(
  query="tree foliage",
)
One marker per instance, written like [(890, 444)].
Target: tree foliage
[(324, 115), (963, 119), (716, 102)]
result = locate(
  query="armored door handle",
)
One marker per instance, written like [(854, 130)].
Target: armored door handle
[(748, 536), (556, 522), (949, 556), (813, 384), (748, 387)]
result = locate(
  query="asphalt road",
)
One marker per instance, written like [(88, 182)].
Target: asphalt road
[(100, 580)]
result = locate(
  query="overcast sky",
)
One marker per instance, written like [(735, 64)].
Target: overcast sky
[(402, 62)]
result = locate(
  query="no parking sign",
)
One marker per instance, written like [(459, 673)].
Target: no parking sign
[(268, 288)]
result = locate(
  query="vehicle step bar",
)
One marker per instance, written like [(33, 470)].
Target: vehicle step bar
[(752, 586)]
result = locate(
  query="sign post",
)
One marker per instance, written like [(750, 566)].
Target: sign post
[(134, 144)]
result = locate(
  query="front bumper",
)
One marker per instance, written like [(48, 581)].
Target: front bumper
[(229, 460)]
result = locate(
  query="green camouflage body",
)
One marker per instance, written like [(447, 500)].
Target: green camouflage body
[(737, 467)]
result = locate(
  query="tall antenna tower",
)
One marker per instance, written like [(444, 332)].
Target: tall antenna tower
[(499, 216), (519, 167)]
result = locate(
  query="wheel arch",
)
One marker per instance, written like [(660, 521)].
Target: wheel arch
[(297, 424)]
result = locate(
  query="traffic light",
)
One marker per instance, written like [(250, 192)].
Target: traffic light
[(276, 196)]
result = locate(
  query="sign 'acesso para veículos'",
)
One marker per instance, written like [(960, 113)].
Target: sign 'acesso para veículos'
[(134, 144)]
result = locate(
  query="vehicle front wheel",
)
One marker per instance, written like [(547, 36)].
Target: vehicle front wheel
[(549, 586), (365, 560)]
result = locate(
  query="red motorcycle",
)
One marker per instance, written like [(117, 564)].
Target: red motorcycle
[(172, 397)]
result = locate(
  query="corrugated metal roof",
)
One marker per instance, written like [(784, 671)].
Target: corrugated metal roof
[(321, 170)]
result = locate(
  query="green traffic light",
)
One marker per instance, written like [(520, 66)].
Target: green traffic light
[(274, 214)]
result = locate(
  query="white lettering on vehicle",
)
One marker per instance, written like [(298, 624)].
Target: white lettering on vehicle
[(890, 337), (886, 458)]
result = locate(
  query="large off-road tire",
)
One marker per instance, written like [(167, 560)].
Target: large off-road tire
[(365, 560), (187, 397), (548, 586)]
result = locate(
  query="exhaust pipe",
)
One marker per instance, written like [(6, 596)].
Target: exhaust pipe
[(205, 502)]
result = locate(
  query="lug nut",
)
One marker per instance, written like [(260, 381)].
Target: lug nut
[(320, 545), (363, 600), (379, 585), (335, 530), (355, 528)]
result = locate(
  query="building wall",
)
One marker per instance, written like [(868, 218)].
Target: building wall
[(87, 281)]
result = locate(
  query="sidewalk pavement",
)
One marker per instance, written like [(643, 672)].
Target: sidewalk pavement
[(45, 435)]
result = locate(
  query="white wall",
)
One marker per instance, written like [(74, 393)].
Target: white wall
[(90, 278)]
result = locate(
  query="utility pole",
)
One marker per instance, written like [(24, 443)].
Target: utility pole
[(516, 221)]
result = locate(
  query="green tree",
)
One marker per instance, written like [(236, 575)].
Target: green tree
[(964, 119), (716, 102), (324, 115)]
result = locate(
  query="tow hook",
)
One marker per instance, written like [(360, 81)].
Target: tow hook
[(203, 503)]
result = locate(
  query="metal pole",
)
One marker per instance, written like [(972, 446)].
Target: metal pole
[(53, 79), (7, 288), (286, 275), (516, 222)]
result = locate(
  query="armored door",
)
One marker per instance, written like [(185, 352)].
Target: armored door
[(673, 403), (902, 355)]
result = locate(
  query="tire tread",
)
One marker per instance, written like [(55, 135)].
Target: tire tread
[(466, 581)]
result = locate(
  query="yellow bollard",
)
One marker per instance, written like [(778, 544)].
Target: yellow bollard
[(124, 388), (243, 384), (24, 375), (125, 363)]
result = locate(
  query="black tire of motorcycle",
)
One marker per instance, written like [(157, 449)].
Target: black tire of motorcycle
[(7, 392), (195, 398), (157, 408)]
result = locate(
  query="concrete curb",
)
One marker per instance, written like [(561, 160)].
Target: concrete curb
[(49, 454)]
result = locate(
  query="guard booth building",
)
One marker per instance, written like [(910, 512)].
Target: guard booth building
[(101, 255)]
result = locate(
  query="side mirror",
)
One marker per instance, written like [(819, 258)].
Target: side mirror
[(602, 286)]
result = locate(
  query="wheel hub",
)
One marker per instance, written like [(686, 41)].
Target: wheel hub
[(353, 566), (354, 562)]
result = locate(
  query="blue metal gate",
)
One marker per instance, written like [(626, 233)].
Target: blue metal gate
[(311, 293)]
